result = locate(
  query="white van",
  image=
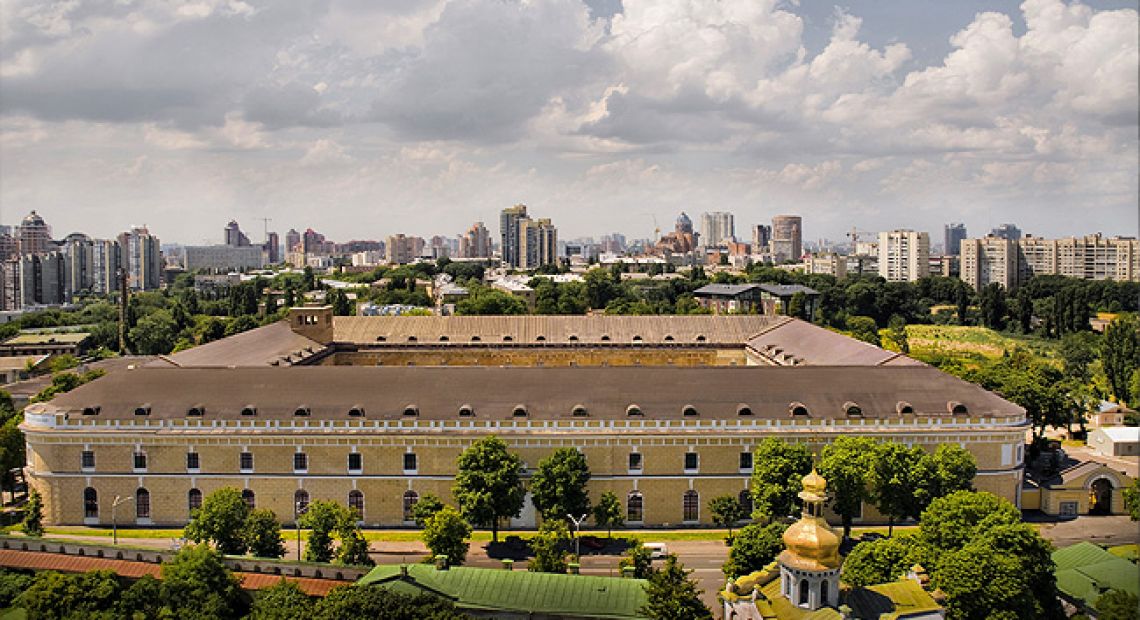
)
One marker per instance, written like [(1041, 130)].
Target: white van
[(657, 551)]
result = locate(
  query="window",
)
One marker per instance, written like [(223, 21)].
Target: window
[(691, 505), (87, 461), (692, 461), (904, 407), (746, 460), (520, 411), (798, 410), (142, 410), (300, 501), (91, 411), (301, 411), (443, 338), (743, 410), (410, 461), (194, 500), (356, 412), (803, 592), (356, 502), (635, 461), (140, 460), (635, 509), (823, 593), (196, 412), (410, 499), (633, 410), (579, 411), (852, 410), (411, 411), (245, 462), (250, 498), (249, 410), (466, 411), (90, 503), (689, 410), (300, 462), (957, 408), (192, 461), (1069, 509), (746, 503), (355, 462), (142, 504)]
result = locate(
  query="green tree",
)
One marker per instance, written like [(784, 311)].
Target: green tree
[(197, 585), (261, 534), (754, 547), (892, 482), (142, 600), (864, 328), (639, 558), (846, 464), (12, 584), (992, 304), (896, 332), (549, 547), (1132, 499), (488, 487), (952, 521), (154, 334), (797, 305), (353, 549), (12, 456), (368, 602), (954, 470), (427, 506), (778, 467), (558, 487), (1120, 354), (609, 513), (33, 524), (322, 518), (726, 511), (282, 601), (1117, 605), (55, 595), (879, 561), (1078, 352), (446, 533), (221, 520), (673, 595)]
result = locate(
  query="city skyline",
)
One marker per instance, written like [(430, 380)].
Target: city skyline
[(349, 118)]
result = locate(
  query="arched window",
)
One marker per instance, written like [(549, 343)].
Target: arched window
[(746, 503), (853, 410), (803, 592), (476, 339), (689, 410), (633, 410), (692, 505), (300, 501), (743, 409), (904, 407), (573, 338), (250, 498), (798, 410), (520, 411), (356, 502), (90, 503), (142, 504), (443, 339), (668, 338), (957, 408), (410, 499), (701, 338), (605, 338), (579, 411), (540, 339), (412, 339), (194, 500), (356, 412), (635, 508)]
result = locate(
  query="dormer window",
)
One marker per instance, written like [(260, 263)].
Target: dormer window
[(249, 410), (142, 410), (852, 410), (633, 410), (579, 411), (701, 338), (412, 339), (91, 410), (637, 338), (957, 408), (668, 338), (904, 407), (411, 411), (466, 411), (301, 411), (356, 412), (573, 338), (196, 411), (443, 338), (605, 338), (381, 339), (520, 411), (798, 410), (743, 409), (476, 339), (508, 339), (540, 339), (689, 411)]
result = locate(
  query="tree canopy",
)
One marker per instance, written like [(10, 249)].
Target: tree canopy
[(778, 467), (488, 486), (558, 486)]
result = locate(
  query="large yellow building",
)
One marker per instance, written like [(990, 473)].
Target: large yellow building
[(373, 411)]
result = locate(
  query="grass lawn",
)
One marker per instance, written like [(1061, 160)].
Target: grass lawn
[(13, 613), (971, 343)]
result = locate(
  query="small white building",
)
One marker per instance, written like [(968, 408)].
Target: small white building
[(1115, 441)]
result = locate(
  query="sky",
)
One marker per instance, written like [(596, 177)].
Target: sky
[(362, 119)]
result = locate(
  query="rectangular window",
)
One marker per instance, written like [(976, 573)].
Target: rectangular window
[(300, 461), (635, 461), (192, 460), (355, 462), (140, 460), (246, 462), (88, 460), (691, 461), (746, 460), (410, 462)]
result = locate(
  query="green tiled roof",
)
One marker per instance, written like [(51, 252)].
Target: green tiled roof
[(891, 600), (498, 589), (1084, 571), (1080, 554)]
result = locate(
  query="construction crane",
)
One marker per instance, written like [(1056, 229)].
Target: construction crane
[(854, 234), (656, 228)]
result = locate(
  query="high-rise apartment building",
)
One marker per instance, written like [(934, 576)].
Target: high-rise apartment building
[(1012, 263), (142, 258), (717, 228), (34, 235), (400, 249), (953, 235), (79, 253), (292, 241), (538, 243), (233, 235), (43, 280), (761, 238), (272, 248), (9, 246), (509, 220), (106, 259), (683, 225), (476, 242), (787, 237), (1007, 231), (904, 255)]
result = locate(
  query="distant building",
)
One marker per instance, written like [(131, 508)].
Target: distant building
[(79, 257), (509, 231), (787, 238), (1115, 441), (681, 241), (476, 242), (106, 260), (827, 264), (1007, 231), (1013, 263), (272, 249), (538, 243), (904, 255), (233, 236), (292, 241), (517, 289), (41, 280), (761, 238), (222, 257), (400, 249), (729, 298), (141, 258), (34, 235), (953, 235), (717, 227)]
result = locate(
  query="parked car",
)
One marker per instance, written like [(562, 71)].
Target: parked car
[(657, 550)]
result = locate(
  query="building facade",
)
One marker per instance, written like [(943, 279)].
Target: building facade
[(787, 238), (141, 257), (509, 231), (904, 255), (953, 236), (1013, 263), (222, 257), (717, 227)]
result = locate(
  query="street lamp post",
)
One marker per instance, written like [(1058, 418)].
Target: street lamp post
[(577, 535), (114, 522), (300, 510)]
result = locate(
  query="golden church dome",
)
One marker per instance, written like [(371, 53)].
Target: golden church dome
[(810, 543), (815, 483)]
